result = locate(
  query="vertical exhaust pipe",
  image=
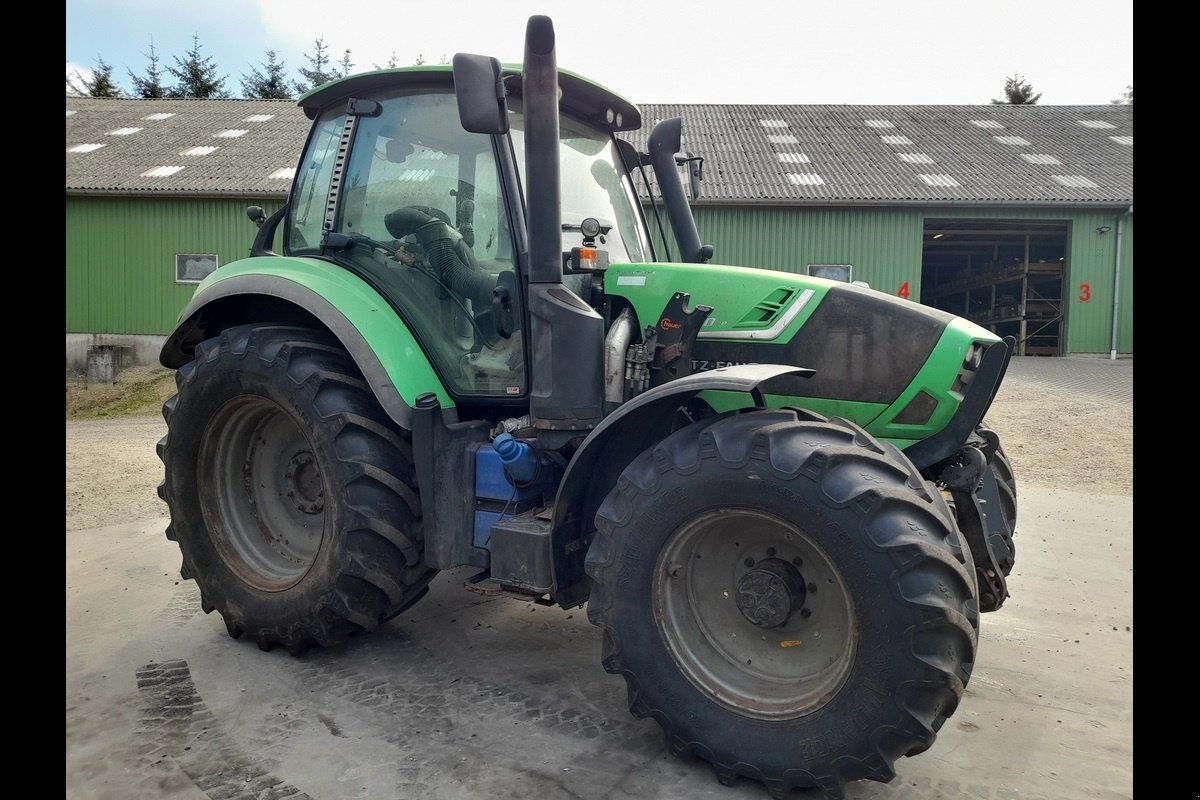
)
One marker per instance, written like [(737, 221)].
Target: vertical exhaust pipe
[(566, 335), (540, 90), (665, 141)]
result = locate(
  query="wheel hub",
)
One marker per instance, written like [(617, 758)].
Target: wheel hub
[(304, 483), (770, 592), (755, 613), (262, 493)]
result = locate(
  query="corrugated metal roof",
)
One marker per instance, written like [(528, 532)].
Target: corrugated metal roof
[(851, 154), (977, 149), (200, 147)]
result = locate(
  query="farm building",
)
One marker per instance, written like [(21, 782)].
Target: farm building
[(1018, 217)]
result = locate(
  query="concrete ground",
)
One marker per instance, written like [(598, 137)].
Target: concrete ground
[(466, 696)]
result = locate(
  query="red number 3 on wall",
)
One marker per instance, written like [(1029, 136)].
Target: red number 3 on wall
[(1085, 292)]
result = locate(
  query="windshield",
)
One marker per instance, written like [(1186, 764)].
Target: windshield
[(592, 185)]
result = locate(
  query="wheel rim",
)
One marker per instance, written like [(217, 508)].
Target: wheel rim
[(794, 661), (262, 493)]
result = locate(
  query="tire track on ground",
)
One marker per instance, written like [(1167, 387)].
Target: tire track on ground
[(436, 690), (176, 728)]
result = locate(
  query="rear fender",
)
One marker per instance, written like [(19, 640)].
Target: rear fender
[(614, 443), (281, 289)]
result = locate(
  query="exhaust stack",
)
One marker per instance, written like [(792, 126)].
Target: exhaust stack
[(566, 335), (665, 141), (540, 89)]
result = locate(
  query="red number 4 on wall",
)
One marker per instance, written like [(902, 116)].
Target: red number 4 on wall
[(903, 290)]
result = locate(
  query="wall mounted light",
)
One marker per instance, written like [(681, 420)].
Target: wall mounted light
[(1103, 229)]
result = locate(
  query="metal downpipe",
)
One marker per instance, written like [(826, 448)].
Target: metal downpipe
[(1116, 320)]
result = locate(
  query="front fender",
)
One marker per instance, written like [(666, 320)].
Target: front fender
[(263, 288), (614, 443)]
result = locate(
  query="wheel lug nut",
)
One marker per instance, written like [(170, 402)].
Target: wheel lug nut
[(812, 587), (749, 562), (806, 612)]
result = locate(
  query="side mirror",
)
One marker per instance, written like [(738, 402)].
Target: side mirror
[(695, 173), (480, 92)]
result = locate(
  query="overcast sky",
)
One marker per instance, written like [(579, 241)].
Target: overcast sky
[(919, 52)]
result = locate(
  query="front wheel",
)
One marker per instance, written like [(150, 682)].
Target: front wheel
[(786, 597), (1006, 495), (292, 496)]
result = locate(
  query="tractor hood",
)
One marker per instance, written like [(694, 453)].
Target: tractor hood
[(893, 364)]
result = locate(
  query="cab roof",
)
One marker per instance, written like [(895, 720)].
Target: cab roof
[(582, 98)]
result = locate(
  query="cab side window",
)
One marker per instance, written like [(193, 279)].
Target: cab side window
[(423, 197)]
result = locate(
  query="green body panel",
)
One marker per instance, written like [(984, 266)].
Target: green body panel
[(935, 378), (733, 292), (388, 336), (858, 412), (737, 293)]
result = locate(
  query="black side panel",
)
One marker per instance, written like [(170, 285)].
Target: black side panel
[(567, 352), (864, 346), (444, 460)]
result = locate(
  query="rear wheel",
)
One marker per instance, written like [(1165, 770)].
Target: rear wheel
[(292, 496), (786, 596)]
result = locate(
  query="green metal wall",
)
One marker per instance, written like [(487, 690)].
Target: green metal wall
[(1091, 260), (884, 247), (882, 244), (121, 254), (121, 257)]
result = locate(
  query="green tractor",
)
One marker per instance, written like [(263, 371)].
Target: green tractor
[(775, 493)]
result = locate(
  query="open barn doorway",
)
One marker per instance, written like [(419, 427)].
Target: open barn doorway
[(1006, 275)]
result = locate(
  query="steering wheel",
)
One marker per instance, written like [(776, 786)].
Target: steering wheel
[(452, 264), (445, 250)]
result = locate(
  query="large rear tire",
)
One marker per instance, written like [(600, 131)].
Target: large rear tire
[(292, 495), (786, 596)]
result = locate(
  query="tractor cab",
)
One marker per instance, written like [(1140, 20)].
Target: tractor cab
[(391, 187)]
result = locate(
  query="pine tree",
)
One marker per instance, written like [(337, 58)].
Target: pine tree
[(76, 83), (196, 75), (345, 65), (318, 71), (1017, 92), (269, 85), (149, 86), (420, 59), (1126, 98), (101, 84)]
